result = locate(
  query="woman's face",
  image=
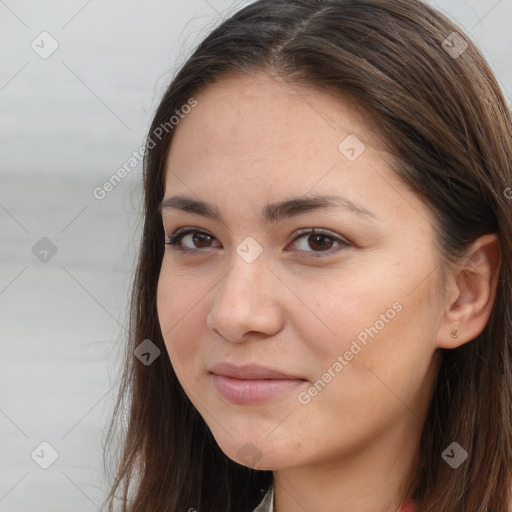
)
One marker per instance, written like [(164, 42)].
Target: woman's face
[(343, 324)]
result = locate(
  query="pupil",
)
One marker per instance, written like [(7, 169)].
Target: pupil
[(320, 237), (197, 237)]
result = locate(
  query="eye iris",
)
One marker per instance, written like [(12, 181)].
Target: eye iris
[(198, 238), (315, 238)]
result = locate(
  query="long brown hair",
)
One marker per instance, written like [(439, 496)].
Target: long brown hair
[(435, 101)]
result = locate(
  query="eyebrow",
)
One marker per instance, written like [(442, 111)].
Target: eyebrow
[(271, 212)]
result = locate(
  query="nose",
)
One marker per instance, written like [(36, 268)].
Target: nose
[(247, 301)]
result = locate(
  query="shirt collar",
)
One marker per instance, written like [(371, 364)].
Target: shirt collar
[(267, 504)]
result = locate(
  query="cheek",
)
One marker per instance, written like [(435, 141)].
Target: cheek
[(176, 312), (341, 312), (385, 329), (178, 297)]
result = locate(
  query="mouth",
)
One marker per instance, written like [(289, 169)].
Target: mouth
[(252, 384)]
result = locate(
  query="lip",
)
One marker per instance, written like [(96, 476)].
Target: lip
[(251, 372), (252, 384)]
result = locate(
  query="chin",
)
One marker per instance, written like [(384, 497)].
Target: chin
[(260, 453)]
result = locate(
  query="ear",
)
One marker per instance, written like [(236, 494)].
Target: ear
[(472, 292)]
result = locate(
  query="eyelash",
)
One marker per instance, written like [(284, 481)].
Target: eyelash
[(175, 239)]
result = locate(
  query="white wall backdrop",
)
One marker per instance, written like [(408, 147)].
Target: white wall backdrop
[(68, 121)]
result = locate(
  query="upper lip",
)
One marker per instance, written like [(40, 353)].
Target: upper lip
[(250, 371)]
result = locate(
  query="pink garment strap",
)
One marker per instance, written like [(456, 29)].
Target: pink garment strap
[(408, 506)]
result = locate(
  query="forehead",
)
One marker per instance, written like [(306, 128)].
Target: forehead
[(259, 123), (257, 137)]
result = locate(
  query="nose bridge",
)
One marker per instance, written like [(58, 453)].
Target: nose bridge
[(243, 298), (246, 276)]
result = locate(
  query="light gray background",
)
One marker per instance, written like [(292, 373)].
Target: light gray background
[(68, 123)]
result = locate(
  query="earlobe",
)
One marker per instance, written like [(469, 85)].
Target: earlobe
[(474, 289)]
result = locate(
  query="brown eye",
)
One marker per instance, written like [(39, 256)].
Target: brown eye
[(320, 242), (198, 239), (201, 239), (316, 242)]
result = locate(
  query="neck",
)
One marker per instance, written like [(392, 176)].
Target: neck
[(374, 479)]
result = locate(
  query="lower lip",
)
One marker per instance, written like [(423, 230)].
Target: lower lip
[(249, 391)]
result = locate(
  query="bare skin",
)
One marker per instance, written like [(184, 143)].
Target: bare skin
[(351, 445)]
